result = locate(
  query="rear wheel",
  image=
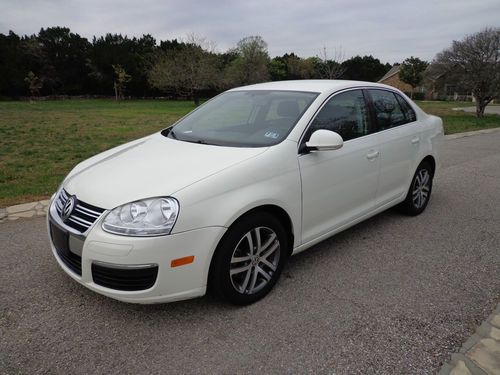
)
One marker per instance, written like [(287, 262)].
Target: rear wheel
[(420, 190), (249, 259)]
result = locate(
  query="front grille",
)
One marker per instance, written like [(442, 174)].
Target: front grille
[(83, 215), (128, 279), (60, 239)]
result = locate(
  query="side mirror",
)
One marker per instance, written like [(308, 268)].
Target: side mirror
[(324, 140)]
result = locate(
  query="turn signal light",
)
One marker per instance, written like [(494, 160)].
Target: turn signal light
[(182, 261)]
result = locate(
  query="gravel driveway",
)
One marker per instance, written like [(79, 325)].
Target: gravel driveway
[(391, 295)]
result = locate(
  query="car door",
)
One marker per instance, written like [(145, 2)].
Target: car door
[(339, 186), (399, 135)]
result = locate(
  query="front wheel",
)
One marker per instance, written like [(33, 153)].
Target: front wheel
[(420, 190), (249, 259)]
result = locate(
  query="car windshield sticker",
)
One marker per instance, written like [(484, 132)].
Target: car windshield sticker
[(271, 135)]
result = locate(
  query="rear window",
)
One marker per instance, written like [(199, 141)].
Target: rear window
[(407, 109), (388, 111)]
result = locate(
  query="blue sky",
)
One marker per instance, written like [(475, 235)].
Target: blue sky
[(388, 29)]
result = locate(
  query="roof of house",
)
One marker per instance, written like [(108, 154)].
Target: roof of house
[(390, 73)]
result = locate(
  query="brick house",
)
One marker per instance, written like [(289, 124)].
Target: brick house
[(434, 87), (391, 78)]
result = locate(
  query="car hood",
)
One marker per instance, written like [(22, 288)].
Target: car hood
[(149, 167)]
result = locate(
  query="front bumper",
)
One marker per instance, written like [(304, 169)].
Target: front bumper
[(99, 248)]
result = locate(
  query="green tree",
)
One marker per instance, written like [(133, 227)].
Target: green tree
[(473, 64), (251, 64), (121, 80), (411, 71), (277, 69), (187, 70), (63, 56), (364, 68), (291, 66)]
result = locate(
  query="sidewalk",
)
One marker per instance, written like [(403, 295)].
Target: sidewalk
[(480, 354), (24, 210)]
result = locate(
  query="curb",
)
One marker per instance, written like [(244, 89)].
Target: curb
[(469, 134), (480, 354), (25, 210)]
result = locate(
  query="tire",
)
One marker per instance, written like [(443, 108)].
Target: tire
[(419, 192), (242, 272)]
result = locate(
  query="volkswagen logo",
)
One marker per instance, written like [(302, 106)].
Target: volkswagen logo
[(68, 207)]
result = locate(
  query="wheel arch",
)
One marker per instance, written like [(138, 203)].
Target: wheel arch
[(429, 159), (275, 210), (278, 212)]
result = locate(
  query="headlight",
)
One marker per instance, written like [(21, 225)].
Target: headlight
[(148, 217)]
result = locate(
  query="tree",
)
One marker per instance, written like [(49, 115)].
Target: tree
[(474, 64), (411, 71), (121, 80), (132, 54), (366, 68), (330, 68), (34, 83), (277, 69), (186, 70), (63, 56), (251, 64)]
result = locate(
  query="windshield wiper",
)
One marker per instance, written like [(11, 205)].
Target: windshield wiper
[(200, 141)]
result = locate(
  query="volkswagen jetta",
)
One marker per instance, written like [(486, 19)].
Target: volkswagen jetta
[(223, 197)]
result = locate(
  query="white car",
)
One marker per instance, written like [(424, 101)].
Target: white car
[(222, 198)]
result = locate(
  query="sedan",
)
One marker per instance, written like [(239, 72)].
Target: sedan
[(220, 200)]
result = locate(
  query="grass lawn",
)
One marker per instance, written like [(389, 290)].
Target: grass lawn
[(40, 142), (458, 121)]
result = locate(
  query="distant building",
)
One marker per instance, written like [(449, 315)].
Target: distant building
[(442, 86), (391, 78), (435, 86)]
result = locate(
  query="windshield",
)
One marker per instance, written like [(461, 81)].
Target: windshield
[(243, 118)]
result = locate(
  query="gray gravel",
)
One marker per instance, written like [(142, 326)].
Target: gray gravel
[(391, 295)]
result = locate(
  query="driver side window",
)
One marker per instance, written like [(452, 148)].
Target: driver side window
[(345, 114)]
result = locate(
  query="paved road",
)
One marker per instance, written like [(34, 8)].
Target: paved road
[(491, 109), (391, 295)]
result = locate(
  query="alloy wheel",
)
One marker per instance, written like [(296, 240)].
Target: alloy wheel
[(255, 260), (421, 188)]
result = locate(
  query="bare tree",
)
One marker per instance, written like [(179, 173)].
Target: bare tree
[(330, 67), (187, 70), (474, 64), (121, 80), (34, 83)]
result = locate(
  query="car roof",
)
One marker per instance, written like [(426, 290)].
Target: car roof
[(311, 85)]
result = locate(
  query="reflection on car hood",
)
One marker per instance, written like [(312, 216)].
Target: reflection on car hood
[(153, 166)]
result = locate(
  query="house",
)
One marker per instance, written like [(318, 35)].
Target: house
[(391, 78), (442, 86)]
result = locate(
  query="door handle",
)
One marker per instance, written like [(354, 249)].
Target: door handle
[(415, 140), (372, 155)]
